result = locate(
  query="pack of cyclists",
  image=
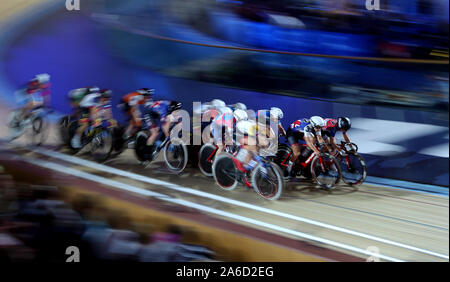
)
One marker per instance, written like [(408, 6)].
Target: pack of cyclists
[(256, 133)]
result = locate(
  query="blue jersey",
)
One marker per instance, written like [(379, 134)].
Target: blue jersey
[(160, 107), (304, 126)]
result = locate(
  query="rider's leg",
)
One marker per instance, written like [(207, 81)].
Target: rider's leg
[(167, 123), (76, 140), (135, 121), (84, 122), (154, 133)]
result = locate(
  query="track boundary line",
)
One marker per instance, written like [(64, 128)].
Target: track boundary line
[(141, 178)]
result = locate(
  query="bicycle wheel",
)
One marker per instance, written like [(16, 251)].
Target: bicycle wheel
[(353, 169), (64, 133), (142, 151), (225, 172), (268, 185), (102, 145), (13, 123), (328, 176), (206, 158), (281, 158), (175, 156)]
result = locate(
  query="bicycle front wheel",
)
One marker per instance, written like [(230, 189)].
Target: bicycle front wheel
[(353, 169), (225, 172), (270, 183), (175, 156), (326, 173)]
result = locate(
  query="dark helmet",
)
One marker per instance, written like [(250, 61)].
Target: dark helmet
[(174, 105), (344, 123), (105, 93), (146, 92)]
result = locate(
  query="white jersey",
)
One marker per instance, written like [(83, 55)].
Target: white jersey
[(90, 100)]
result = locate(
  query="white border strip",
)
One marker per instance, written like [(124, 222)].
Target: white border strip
[(163, 197), (172, 186)]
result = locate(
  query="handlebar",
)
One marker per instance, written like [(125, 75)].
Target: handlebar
[(353, 146)]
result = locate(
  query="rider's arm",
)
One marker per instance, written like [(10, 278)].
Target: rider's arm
[(310, 143), (281, 129), (346, 137)]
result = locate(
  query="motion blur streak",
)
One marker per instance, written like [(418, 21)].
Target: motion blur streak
[(112, 170)]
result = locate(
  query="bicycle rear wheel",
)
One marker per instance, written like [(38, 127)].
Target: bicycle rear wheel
[(175, 156), (225, 172), (353, 169), (102, 145), (64, 133), (270, 185), (328, 176), (39, 131), (143, 152)]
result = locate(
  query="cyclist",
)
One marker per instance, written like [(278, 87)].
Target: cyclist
[(224, 125), (76, 95), (309, 131), (159, 115), (37, 92), (275, 115), (130, 104), (255, 137), (95, 107), (332, 126)]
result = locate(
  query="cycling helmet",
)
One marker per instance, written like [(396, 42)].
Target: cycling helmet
[(276, 112), (240, 106), (218, 103), (344, 123), (225, 110), (240, 115), (146, 92), (42, 78), (174, 105), (93, 89), (106, 93), (317, 121)]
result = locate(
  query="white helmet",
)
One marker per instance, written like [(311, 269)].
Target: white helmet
[(317, 121), (276, 112), (240, 106), (240, 115), (225, 110), (42, 78), (218, 103)]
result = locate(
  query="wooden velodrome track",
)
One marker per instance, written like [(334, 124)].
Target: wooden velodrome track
[(402, 224)]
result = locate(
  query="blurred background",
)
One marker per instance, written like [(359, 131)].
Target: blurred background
[(386, 69)]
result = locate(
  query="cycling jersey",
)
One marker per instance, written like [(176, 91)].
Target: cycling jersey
[(305, 127), (156, 113), (331, 126), (246, 127), (35, 91), (160, 107), (223, 122)]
